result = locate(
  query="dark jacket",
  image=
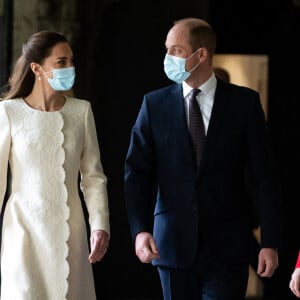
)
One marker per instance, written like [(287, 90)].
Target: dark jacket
[(206, 206)]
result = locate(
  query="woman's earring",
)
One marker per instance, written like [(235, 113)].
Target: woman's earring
[(39, 78)]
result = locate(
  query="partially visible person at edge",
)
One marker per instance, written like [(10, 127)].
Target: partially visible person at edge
[(200, 238), (295, 278), (222, 74), (47, 140)]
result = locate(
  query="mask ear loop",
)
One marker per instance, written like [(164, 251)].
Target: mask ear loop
[(192, 69), (46, 73)]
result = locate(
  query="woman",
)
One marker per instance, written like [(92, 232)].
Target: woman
[(295, 279), (46, 140)]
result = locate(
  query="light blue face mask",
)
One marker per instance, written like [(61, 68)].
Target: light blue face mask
[(63, 79), (174, 68)]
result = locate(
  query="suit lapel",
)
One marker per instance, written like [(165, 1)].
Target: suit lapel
[(216, 119), (181, 128), (177, 103)]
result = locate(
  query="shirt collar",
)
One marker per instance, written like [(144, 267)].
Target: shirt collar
[(207, 88)]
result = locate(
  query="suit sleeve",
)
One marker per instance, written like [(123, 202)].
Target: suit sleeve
[(5, 144), (140, 174), (93, 180), (266, 179)]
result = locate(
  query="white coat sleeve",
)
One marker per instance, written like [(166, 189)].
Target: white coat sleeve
[(5, 143), (93, 180)]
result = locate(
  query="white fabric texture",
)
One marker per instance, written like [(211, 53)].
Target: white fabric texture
[(44, 251)]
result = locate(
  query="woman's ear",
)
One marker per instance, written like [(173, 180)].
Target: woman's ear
[(36, 69)]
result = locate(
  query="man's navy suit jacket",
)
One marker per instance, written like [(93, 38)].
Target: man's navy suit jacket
[(186, 208)]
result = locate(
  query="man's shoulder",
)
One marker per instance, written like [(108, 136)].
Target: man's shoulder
[(237, 88), (170, 89)]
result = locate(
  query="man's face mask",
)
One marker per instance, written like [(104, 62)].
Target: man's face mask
[(174, 67)]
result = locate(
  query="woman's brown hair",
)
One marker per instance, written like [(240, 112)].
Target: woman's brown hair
[(36, 49)]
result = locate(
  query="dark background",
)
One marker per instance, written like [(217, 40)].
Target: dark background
[(119, 49)]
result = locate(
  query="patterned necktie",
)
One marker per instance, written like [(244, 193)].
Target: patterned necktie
[(196, 125)]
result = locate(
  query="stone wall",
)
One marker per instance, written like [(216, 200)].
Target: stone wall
[(36, 15)]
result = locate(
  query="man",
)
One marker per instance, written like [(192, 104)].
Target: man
[(202, 219)]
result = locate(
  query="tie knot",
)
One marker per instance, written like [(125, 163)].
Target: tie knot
[(194, 92)]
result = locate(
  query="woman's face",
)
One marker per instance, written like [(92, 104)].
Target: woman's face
[(61, 56)]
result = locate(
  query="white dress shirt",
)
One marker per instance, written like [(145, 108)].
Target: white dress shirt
[(205, 99)]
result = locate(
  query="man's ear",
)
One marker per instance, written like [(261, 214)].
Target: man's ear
[(203, 54)]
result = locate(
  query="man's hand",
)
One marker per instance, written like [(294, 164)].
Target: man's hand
[(145, 247), (267, 262)]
